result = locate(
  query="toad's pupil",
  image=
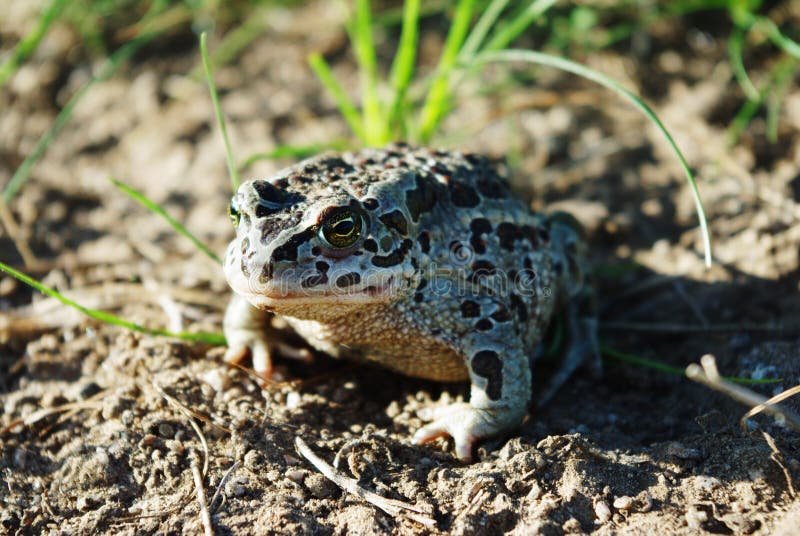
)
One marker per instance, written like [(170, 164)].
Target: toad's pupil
[(344, 227)]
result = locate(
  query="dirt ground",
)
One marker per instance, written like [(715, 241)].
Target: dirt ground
[(100, 427)]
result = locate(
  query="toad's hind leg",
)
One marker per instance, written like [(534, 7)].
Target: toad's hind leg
[(581, 346)]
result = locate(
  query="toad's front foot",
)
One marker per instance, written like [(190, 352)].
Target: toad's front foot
[(464, 423)]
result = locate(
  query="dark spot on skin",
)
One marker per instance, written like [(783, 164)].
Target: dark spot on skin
[(492, 187), (281, 183), (531, 234), (418, 297), (370, 204), (507, 233), (463, 195), (245, 245), (501, 314), (386, 243), (479, 227), (266, 272), (486, 363), (544, 234), (558, 267), (244, 268), (484, 324), (395, 220), (414, 263), (422, 284), (370, 245), (288, 250), (348, 280), (527, 263), (322, 267), (337, 164), (316, 251), (268, 192), (519, 307), (424, 241), (395, 257), (272, 199), (436, 331), (482, 265), (470, 309), (421, 199), (314, 280)]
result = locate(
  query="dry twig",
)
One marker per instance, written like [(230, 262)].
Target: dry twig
[(222, 482), (777, 457), (189, 416), (708, 375), (201, 498), (14, 232), (391, 506)]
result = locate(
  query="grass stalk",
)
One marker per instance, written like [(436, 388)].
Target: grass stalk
[(233, 172), (436, 103), (215, 339), (481, 29), (514, 27), (675, 371), (530, 56), (361, 36), (31, 41), (155, 208), (291, 151), (402, 71), (343, 102)]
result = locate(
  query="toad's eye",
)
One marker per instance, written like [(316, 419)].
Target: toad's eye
[(342, 228), (233, 213)]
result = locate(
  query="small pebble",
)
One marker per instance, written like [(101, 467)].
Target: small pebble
[(602, 512), (296, 475), (623, 503), (217, 379), (292, 400)]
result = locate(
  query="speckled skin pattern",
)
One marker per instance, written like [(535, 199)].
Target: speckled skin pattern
[(420, 260)]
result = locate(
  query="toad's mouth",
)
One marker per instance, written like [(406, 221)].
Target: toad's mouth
[(264, 299)]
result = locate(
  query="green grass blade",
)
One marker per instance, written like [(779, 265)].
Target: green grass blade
[(364, 45), (437, 101), (233, 173), (343, 102), (737, 64), (216, 339), (292, 151), (775, 99), (109, 68), (402, 70), (510, 31), (548, 60), (481, 28), (28, 44), (152, 206), (772, 32), (676, 371)]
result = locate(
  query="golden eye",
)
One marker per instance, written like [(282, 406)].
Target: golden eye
[(342, 229), (233, 213)]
